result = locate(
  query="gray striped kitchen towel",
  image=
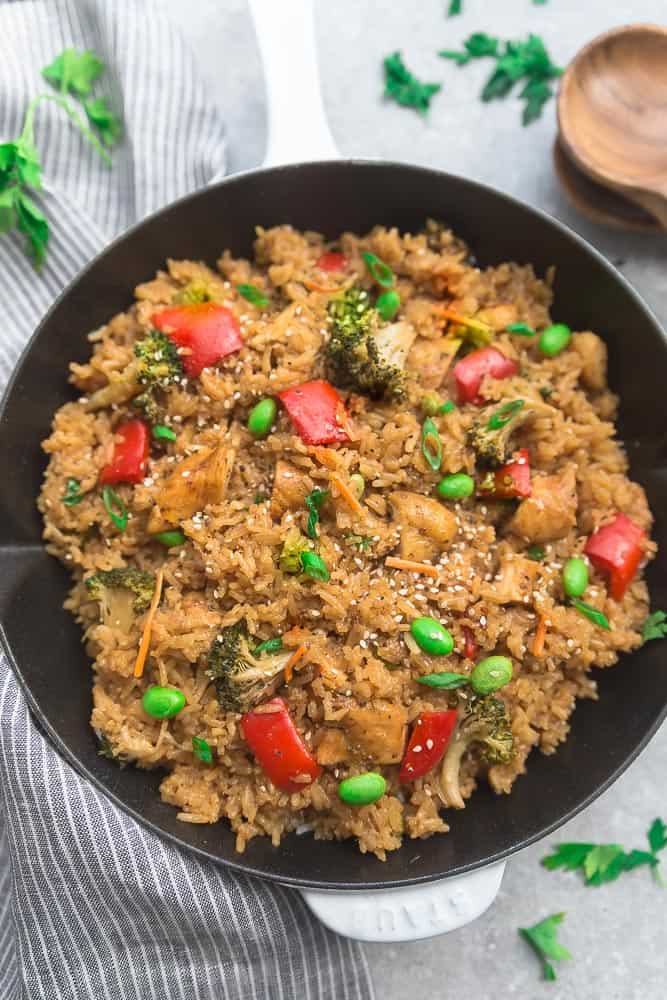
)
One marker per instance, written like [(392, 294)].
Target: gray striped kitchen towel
[(91, 904)]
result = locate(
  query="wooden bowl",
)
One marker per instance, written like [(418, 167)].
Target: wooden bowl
[(612, 111)]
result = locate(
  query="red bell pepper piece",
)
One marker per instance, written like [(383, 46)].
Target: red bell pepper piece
[(130, 454), (470, 371), (317, 412), (617, 549), (278, 747), (470, 647), (332, 262), (509, 481), (208, 333), (428, 742)]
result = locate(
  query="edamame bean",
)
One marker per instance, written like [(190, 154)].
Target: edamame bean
[(388, 304), (575, 577), (491, 674), (431, 636), (362, 789), (456, 487), (554, 339), (170, 539), (163, 702), (262, 417)]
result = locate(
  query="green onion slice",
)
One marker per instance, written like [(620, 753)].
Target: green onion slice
[(447, 407), (253, 295), (312, 565), (313, 502), (162, 433), (504, 414), (115, 508), (379, 271), (202, 749), (170, 539), (72, 495), (431, 444), (268, 646), (536, 553), (522, 329), (444, 681), (591, 613)]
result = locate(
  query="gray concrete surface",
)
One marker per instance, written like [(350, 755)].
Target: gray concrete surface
[(615, 933)]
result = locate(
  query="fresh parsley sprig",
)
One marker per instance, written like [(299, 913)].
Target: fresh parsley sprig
[(402, 86), (543, 939), (600, 863), (655, 626)]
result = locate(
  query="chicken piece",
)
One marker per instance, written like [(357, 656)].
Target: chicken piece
[(593, 353), (432, 359), (516, 581), (197, 481), (427, 525), (550, 511), (290, 488), (332, 747), (377, 731)]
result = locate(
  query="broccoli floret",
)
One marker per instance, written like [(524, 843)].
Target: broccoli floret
[(491, 433), (192, 293), (241, 679), (484, 722), (122, 593), (294, 546), (156, 365), (363, 355)]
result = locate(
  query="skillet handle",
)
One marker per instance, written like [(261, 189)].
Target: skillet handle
[(411, 913), (297, 124)]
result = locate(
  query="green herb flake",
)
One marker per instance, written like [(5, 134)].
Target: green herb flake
[(108, 124), (521, 329), (404, 88), (536, 553), (253, 295), (72, 495), (601, 863), (201, 748), (313, 502), (444, 681), (74, 72), (655, 626), (431, 444), (593, 615), (260, 498), (115, 508), (268, 646), (362, 542), (543, 939), (455, 7)]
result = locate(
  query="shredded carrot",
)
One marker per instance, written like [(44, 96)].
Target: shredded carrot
[(540, 636), (392, 562), (326, 456), (473, 324), (347, 495), (148, 626), (313, 286), (293, 660)]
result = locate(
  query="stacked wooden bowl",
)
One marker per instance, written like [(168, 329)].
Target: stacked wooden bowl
[(611, 150)]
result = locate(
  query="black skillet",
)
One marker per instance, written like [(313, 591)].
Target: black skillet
[(43, 642)]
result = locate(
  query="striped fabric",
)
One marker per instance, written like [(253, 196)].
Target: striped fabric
[(91, 904)]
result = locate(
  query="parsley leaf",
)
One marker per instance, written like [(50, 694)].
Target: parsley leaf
[(105, 121), (455, 7), (657, 836), (313, 502), (516, 61), (602, 863), (32, 223), (543, 939), (74, 72), (404, 88), (655, 626)]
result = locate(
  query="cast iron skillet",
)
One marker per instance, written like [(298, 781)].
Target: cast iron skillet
[(44, 643)]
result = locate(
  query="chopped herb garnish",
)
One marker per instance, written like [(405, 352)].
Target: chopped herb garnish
[(362, 542), (253, 294), (202, 750), (521, 329), (444, 681), (72, 495), (504, 414), (455, 7), (162, 433), (109, 126), (404, 88), (268, 646), (115, 508), (447, 407), (546, 391), (314, 566), (655, 626), (313, 502), (543, 939), (600, 863), (379, 271), (536, 553), (516, 61), (593, 615), (431, 444)]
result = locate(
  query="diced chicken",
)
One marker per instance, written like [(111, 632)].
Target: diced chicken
[(427, 526), (593, 353), (432, 359), (332, 747), (197, 481), (550, 511), (290, 488), (516, 581), (377, 731)]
